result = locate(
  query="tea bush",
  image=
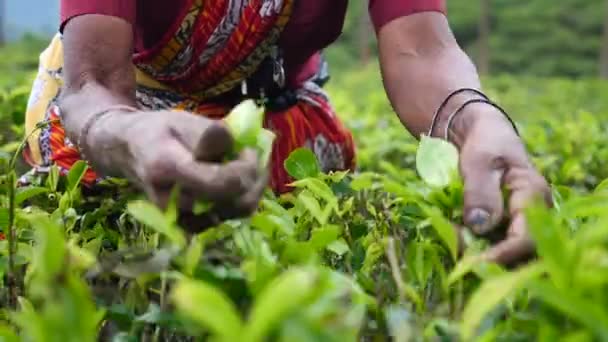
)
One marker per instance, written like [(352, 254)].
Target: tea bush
[(364, 256)]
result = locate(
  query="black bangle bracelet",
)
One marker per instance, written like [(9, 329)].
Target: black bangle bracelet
[(445, 102), (464, 105)]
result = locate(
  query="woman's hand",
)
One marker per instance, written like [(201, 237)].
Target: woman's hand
[(492, 156), (159, 150)]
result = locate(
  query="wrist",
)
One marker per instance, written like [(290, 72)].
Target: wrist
[(105, 144), (478, 116), (462, 110)]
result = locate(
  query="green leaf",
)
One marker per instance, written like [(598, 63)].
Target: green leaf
[(437, 161), (53, 178), (8, 335), (271, 224), (24, 194), (245, 124), (462, 268), (445, 230), (552, 243), (265, 141), (302, 163), (4, 215), (491, 293), (312, 205), (208, 307), (587, 312), (323, 236), (318, 188), (339, 247), (149, 214), (147, 263), (76, 173), (283, 296)]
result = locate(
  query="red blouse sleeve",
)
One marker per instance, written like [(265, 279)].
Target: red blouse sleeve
[(125, 9), (383, 11)]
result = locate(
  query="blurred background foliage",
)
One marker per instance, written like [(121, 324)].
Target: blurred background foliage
[(527, 37)]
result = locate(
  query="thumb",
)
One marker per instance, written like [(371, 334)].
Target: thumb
[(208, 140), (215, 142), (483, 201)]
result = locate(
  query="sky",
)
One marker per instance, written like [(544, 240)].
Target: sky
[(40, 16)]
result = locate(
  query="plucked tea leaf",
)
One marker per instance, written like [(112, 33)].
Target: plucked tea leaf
[(436, 161), (245, 123)]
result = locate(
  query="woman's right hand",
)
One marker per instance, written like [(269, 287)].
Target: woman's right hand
[(159, 150)]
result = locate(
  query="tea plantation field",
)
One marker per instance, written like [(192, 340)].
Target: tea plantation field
[(365, 256)]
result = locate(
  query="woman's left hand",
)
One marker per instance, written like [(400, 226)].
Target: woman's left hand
[(492, 156)]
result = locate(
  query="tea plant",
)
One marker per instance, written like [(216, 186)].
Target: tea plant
[(347, 256)]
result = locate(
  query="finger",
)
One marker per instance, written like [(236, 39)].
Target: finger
[(483, 202), (511, 251), (249, 203), (241, 208), (214, 144), (207, 139), (517, 247), (162, 195), (217, 182), (526, 185)]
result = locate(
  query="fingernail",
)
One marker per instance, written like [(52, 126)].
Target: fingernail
[(479, 220)]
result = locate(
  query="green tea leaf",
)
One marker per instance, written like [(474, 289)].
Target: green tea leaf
[(462, 268), (149, 214), (587, 312), (339, 247), (76, 173), (4, 218), (311, 204), (245, 123), (8, 335), (265, 141), (208, 307), (277, 301), (445, 230), (24, 194), (318, 188), (302, 163), (437, 161), (491, 293)]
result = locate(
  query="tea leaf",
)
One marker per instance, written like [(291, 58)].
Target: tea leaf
[(437, 161), (152, 217), (209, 308), (491, 293), (24, 194), (302, 163), (445, 230), (76, 173), (277, 301), (245, 123)]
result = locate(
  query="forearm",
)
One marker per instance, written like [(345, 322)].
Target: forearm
[(98, 75), (421, 70)]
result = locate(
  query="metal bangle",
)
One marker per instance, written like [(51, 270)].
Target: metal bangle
[(464, 105), (84, 132), (445, 102)]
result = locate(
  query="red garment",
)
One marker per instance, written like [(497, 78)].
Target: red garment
[(314, 25)]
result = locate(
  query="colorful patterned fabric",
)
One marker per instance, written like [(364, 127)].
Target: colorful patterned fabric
[(216, 47)]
